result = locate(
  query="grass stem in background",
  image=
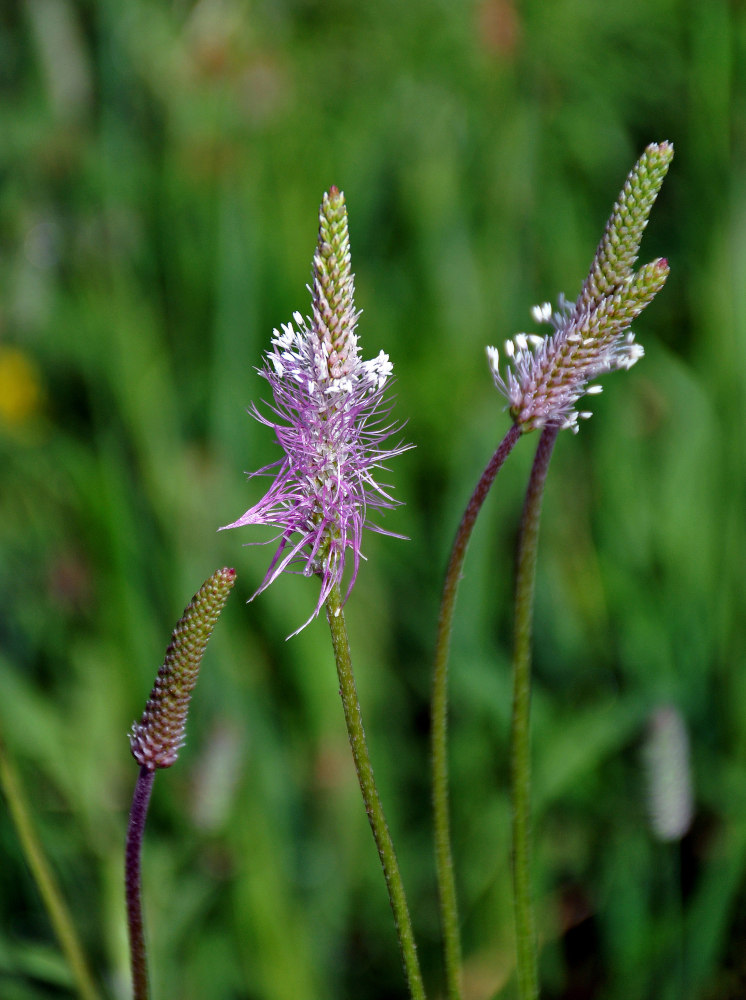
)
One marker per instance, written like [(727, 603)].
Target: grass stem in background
[(447, 898), (54, 903)]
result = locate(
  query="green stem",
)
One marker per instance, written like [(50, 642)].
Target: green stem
[(439, 720), (373, 808), (56, 907), (526, 953)]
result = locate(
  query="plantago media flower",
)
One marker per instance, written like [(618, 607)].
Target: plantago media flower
[(330, 417), (157, 738), (547, 376)]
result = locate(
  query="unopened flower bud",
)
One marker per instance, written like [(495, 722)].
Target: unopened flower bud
[(156, 740)]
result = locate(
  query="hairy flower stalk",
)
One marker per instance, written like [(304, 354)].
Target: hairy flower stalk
[(447, 898), (330, 417), (371, 798), (547, 376), (156, 740)]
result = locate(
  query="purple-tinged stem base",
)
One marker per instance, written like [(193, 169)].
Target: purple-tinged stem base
[(133, 882)]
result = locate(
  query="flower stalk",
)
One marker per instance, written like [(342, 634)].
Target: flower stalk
[(156, 740), (547, 377), (447, 896), (133, 882), (520, 768), (371, 798), (544, 380)]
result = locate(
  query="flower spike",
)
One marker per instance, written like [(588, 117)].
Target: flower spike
[(331, 418), (156, 740), (546, 376)]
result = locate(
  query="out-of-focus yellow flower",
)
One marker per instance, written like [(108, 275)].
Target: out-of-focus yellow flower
[(20, 387)]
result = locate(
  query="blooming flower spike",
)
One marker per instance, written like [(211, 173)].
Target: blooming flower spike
[(330, 417), (547, 376)]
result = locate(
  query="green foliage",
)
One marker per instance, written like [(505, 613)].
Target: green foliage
[(160, 171)]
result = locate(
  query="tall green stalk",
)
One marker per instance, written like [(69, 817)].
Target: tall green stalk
[(525, 929), (447, 898), (364, 769), (543, 380)]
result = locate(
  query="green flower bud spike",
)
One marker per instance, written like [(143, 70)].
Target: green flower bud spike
[(544, 379), (334, 313), (547, 376), (156, 740)]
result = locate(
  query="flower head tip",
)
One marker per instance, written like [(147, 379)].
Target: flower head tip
[(156, 740), (547, 376), (330, 418)]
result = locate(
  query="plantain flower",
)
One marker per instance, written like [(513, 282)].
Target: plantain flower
[(331, 419), (546, 376), (156, 739)]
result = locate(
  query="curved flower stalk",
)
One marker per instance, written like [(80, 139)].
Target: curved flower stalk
[(330, 417), (156, 740), (544, 379), (447, 899), (547, 376)]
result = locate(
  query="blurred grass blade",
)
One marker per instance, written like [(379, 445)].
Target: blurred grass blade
[(51, 895)]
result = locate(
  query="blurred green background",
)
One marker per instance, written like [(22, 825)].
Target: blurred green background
[(161, 166)]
